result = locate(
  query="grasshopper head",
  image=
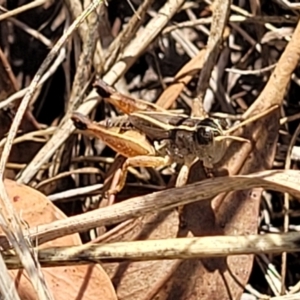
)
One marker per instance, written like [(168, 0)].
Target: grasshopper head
[(209, 148)]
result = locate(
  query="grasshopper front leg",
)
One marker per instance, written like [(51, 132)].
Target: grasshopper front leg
[(182, 179), (139, 161)]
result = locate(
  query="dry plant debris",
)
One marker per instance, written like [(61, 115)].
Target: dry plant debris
[(223, 59)]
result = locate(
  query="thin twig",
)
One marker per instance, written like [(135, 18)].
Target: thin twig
[(183, 248), (283, 181), (9, 220)]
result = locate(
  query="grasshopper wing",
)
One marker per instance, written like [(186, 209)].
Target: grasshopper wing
[(155, 125)]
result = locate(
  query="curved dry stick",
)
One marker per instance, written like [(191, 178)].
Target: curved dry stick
[(278, 180)]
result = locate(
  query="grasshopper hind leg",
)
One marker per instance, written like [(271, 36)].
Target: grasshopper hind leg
[(121, 182)]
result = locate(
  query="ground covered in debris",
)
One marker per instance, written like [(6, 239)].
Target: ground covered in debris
[(221, 60)]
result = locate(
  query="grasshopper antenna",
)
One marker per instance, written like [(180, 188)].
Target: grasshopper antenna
[(251, 119), (229, 137)]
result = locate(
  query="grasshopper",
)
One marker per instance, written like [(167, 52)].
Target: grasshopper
[(154, 137)]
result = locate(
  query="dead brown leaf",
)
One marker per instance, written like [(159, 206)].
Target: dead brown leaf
[(182, 78), (74, 282)]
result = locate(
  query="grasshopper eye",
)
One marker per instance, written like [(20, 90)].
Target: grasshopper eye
[(204, 135)]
